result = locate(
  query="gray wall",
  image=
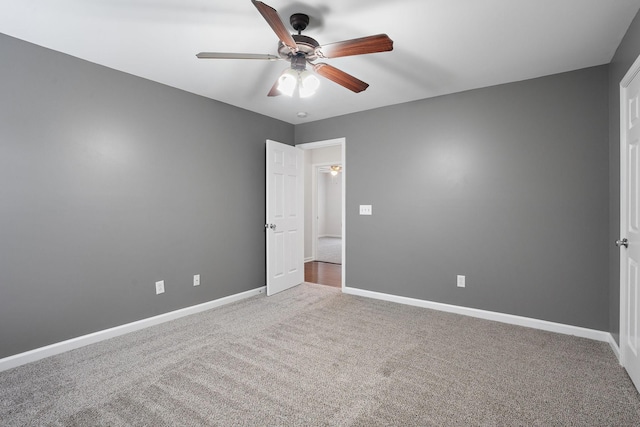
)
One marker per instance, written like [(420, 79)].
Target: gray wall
[(109, 182), (626, 54), (507, 185)]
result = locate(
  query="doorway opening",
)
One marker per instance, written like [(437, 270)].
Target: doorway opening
[(324, 248)]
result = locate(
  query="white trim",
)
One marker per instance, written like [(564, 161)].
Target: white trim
[(633, 71), (321, 144), (344, 214), (335, 236), (306, 260), (73, 343), (488, 315), (614, 346)]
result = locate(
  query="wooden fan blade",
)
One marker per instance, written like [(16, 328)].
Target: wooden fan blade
[(274, 21), (361, 46), (340, 77), (223, 55)]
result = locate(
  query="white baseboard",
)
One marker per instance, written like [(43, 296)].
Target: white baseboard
[(61, 347), (616, 349), (489, 315), (306, 260), (337, 236)]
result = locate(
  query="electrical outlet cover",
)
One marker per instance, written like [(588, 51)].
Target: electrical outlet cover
[(160, 287), (365, 210)]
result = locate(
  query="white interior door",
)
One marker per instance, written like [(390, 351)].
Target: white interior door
[(285, 217), (630, 223)]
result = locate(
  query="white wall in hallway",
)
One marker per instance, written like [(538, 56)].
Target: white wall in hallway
[(329, 205)]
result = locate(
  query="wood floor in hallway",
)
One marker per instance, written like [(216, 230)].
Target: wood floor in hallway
[(323, 273)]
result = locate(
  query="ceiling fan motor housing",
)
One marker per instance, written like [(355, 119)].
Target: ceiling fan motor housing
[(306, 46), (299, 62)]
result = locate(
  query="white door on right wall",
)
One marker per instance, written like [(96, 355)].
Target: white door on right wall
[(630, 223)]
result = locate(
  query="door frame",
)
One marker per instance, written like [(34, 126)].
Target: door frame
[(328, 143), (633, 71)]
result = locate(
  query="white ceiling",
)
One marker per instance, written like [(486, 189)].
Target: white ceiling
[(440, 46)]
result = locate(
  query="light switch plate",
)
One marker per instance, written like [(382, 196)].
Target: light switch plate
[(196, 280), (365, 210), (461, 281)]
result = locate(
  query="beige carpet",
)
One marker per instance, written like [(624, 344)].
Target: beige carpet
[(313, 356)]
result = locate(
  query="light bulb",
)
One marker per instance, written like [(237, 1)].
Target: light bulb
[(308, 84), (334, 173), (287, 82)]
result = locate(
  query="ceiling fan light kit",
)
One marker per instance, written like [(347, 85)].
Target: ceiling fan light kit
[(306, 83), (301, 50), (297, 77)]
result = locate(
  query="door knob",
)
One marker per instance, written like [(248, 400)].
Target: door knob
[(271, 226), (624, 242)]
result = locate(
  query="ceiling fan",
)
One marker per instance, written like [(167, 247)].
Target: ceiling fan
[(301, 50)]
